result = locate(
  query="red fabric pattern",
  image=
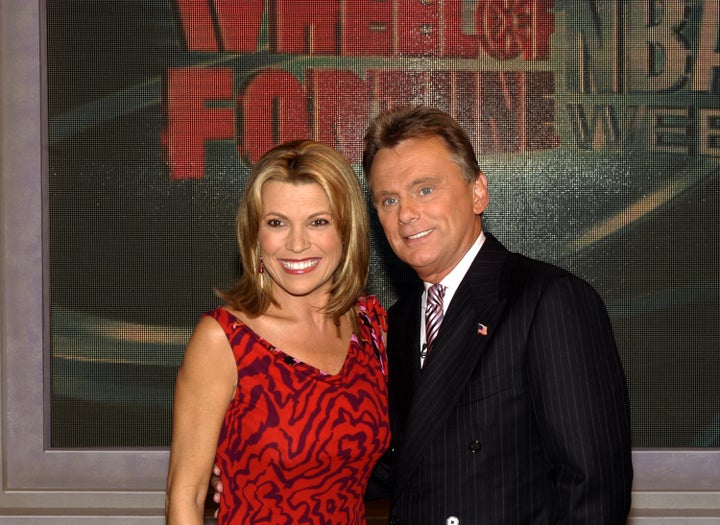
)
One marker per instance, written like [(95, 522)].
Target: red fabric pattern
[(298, 445)]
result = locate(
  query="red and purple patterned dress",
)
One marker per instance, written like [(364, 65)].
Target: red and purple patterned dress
[(298, 445)]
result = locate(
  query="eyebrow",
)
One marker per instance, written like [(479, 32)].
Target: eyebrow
[(412, 184), (283, 216), (423, 180)]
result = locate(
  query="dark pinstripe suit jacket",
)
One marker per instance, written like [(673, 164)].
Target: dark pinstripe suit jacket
[(525, 424)]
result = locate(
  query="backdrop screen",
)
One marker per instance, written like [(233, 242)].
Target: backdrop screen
[(597, 123)]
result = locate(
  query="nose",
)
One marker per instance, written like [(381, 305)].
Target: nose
[(407, 212), (297, 240)]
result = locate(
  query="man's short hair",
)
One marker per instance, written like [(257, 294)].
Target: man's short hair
[(395, 125)]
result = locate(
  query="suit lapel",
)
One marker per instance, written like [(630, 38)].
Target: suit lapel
[(456, 352), (403, 353)]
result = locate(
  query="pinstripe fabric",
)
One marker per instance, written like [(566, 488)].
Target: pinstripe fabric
[(527, 424)]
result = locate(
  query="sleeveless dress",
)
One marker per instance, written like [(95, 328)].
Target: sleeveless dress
[(298, 445)]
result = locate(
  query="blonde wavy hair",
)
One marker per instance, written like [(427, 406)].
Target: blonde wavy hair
[(303, 162)]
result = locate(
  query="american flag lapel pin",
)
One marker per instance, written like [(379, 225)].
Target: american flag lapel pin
[(482, 329)]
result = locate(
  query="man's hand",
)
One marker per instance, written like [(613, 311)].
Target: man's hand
[(217, 486)]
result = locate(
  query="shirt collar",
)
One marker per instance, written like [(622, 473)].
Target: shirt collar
[(452, 281)]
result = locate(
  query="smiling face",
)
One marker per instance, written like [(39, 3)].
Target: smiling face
[(430, 214), (298, 238)]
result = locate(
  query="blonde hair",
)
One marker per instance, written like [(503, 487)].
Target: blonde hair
[(304, 162)]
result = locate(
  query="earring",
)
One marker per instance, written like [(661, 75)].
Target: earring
[(261, 266)]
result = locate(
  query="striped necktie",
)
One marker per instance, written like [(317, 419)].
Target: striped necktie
[(433, 313)]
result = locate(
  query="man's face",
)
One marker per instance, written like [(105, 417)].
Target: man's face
[(430, 214)]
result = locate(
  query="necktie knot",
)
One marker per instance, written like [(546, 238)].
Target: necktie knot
[(433, 313)]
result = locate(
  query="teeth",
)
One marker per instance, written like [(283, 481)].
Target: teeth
[(304, 265), (419, 235)]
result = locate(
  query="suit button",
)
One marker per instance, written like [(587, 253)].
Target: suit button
[(475, 446), (452, 520), (394, 520)]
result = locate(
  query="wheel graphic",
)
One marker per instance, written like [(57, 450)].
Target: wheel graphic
[(503, 27)]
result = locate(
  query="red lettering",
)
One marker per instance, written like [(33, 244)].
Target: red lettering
[(190, 123), (454, 42), (428, 28), (540, 114), (239, 22), (440, 90), (367, 28), (301, 26), (390, 88), (197, 24), (507, 29), (500, 109), (466, 102), (543, 26), (340, 109), (274, 110), (418, 28)]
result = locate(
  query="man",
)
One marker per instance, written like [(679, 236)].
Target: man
[(517, 411)]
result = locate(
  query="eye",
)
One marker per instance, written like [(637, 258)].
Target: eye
[(320, 221), (388, 201), (425, 191), (274, 223)]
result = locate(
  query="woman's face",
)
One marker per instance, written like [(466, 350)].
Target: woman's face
[(299, 239)]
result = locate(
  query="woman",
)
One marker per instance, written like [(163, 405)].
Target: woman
[(285, 386)]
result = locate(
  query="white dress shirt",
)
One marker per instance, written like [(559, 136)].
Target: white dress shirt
[(451, 282)]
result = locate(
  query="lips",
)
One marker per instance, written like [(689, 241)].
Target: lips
[(420, 235), (299, 266)]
